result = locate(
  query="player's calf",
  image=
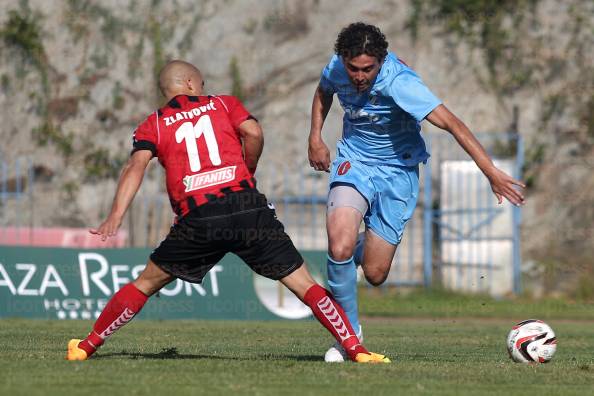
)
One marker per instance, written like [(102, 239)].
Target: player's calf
[(123, 306), (152, 279), (120, 309), (330, 314), (377, 258)]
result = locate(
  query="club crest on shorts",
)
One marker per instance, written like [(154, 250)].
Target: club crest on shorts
[(344, 168)]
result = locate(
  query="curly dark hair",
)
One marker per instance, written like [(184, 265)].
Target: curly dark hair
[(360, 38)]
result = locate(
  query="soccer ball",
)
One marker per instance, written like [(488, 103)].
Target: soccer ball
[(531, 341)]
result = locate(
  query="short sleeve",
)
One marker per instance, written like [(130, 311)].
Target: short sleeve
[(237, 113), (412, 95), (145, 136), (325, 83), (328, 74)]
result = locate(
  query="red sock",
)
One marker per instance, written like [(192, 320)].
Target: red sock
[(331, 315), (120, 309)]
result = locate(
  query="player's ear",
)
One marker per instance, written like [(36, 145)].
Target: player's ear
[(190, 85), (195, 86)]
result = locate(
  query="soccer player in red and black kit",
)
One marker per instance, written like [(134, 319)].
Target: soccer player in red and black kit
[(209, 147)]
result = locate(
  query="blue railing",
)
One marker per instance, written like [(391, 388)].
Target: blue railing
[(471, 243)]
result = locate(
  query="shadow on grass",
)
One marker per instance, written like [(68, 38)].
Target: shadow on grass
[(172, 353), (165, 354)]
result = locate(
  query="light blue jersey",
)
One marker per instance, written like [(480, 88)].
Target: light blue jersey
[(381, 125)]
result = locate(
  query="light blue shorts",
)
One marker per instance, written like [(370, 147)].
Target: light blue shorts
[(391, 192)]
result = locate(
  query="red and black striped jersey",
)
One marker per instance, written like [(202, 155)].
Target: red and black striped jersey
[(196, 139)]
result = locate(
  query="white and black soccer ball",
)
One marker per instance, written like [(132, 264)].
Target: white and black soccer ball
[(531, 341)]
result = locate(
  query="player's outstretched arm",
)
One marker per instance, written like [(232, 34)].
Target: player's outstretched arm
[(501, 183), (253, 143), (319, 155), (128, 185)]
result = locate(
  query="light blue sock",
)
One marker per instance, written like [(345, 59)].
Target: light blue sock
[(342, 279)]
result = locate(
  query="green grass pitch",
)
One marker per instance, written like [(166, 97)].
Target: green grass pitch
[(447, 356)]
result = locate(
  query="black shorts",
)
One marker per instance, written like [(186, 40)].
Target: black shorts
[(241, 223)]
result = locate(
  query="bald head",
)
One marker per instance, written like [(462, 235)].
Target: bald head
[(180, 78)]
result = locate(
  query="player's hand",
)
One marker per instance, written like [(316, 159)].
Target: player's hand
[(503, 184), (108, 228), (319, 155)]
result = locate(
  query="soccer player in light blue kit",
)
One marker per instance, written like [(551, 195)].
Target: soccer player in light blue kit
[(375, 176)]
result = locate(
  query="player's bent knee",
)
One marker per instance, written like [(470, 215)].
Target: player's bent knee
[(376, 278), (341, 251), (376, 281)]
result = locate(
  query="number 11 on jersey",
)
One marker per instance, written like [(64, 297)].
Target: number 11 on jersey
[(190, 133)]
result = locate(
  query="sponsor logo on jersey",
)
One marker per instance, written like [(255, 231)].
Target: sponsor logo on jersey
[(358, 114), (211, 178)]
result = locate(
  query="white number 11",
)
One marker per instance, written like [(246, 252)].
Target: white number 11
[(190, 133)]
